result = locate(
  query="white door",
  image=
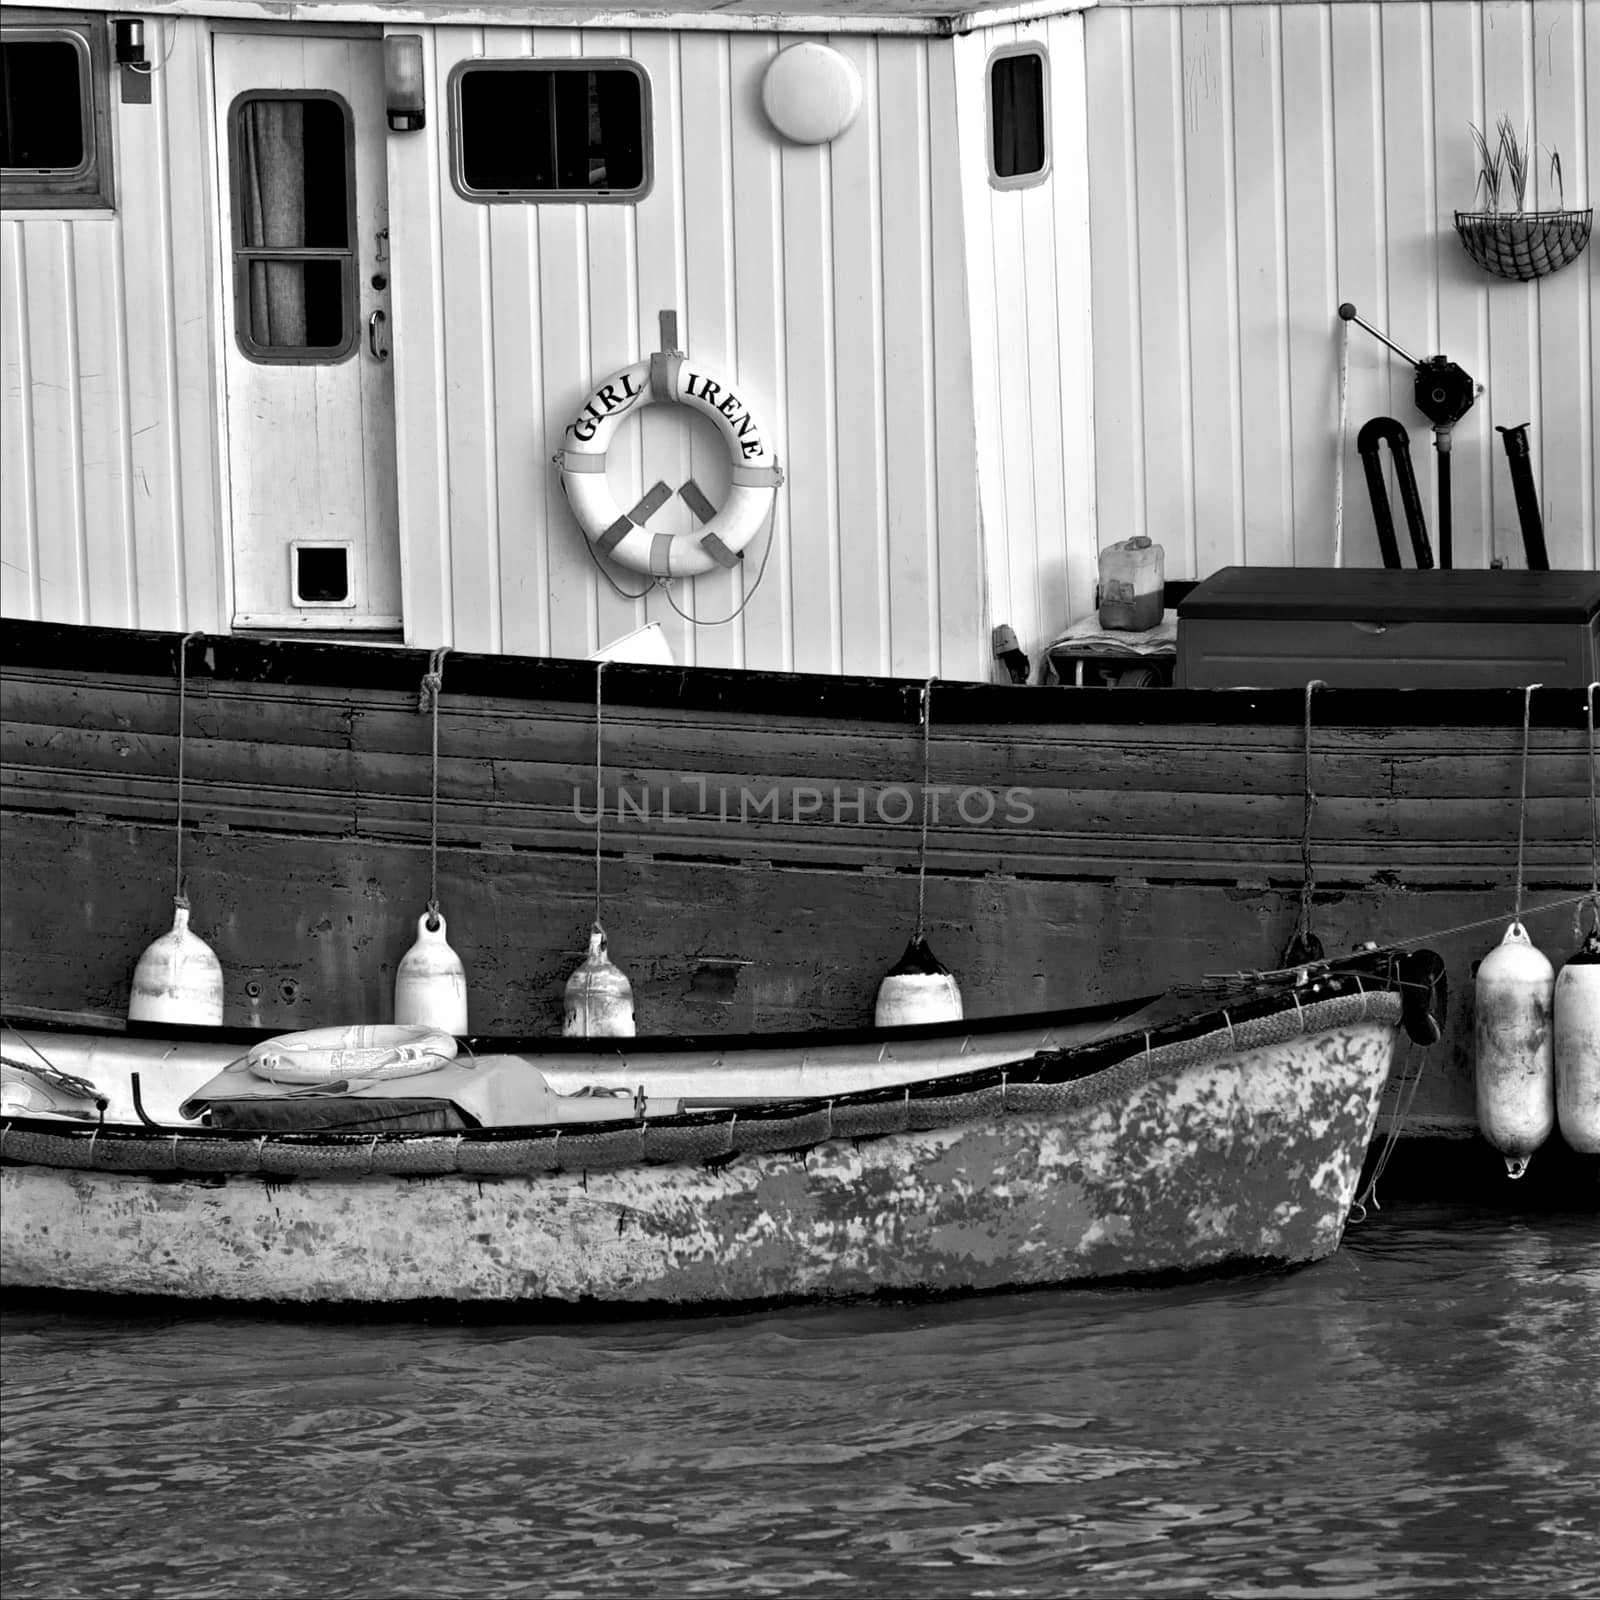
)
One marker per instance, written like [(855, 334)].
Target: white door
[(310, 388)]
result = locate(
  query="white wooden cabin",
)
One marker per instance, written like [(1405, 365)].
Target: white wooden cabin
[(1017, 281)]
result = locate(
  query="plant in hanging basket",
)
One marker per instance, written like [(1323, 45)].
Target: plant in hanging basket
[(1518, 243)]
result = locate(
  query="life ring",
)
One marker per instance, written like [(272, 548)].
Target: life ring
[(324, 1055), (673, 379)]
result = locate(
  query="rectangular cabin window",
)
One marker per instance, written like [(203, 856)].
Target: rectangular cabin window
[(550, 130), (294, 236), (55, 147), (1019, 117)]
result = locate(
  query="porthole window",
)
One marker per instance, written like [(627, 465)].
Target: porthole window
[(550, 130), (54, 129), (294, 260), (1019, 116)]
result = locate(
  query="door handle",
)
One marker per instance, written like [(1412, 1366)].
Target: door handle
[(380, 352)]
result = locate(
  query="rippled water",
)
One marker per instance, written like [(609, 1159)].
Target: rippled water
[(1420, 1414)]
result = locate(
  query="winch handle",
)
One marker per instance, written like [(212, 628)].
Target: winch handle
[(1349, 313)]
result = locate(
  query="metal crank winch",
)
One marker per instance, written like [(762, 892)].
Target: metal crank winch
[(1444, 394)]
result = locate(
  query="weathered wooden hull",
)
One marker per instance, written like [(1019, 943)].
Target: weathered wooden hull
[(1190, 1157), (760, 833)]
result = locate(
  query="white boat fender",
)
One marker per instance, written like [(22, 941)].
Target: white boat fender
[(1514, 1062), (430, 984), (1576, 1015), (599, 999), (325, 1055), (178, 978), (755, 474), (917, 988)]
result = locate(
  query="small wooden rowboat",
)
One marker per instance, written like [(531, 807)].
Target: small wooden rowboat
[(1232, 1131)]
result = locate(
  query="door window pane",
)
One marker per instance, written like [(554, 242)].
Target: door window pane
[(551, 132), (293, 169), (297, 305), (294, 227)]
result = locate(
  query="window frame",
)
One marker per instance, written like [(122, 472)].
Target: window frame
[(1019, 180), (89, 186), (551, 64), (280, 355)]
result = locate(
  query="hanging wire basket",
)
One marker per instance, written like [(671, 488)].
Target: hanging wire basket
[(1524, 244)]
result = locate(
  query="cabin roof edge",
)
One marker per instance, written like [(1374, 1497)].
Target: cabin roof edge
[(938, 18)]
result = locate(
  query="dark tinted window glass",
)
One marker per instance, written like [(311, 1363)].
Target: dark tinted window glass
[(42, 85), (505, 131), (538, 130), (1016, 87)]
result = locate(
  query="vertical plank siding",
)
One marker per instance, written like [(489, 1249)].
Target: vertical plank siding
[(110, 438), (972, 388), (1028, 283), (807, 274), (1252, 166)]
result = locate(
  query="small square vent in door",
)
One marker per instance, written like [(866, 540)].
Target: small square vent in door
[(320, 574)]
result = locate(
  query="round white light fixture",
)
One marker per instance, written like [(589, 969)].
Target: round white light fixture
[(811, 93)]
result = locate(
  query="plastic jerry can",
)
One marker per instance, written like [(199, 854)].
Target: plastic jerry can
[(1132, 580)]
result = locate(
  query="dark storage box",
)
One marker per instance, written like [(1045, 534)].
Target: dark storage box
[(1372, 628)]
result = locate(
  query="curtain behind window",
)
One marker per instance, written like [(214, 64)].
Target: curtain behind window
[(273, 213), (1016, 88)]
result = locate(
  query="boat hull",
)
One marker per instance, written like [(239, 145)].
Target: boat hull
[(1243, 1155), (761, 841)]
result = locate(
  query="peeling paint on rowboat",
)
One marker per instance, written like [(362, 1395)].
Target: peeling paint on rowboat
[(1248, 1156)]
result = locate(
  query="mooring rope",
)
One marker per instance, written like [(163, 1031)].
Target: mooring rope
[(1303, 939), (179, 898), (428, 700), (1522, 807), (599, 791), (663, 583), (1404, 1097), (1212, 980), (1594, 824), (617, 589), (67, 1082), (749, 594), (922, 845)]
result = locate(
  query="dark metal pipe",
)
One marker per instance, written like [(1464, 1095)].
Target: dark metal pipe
[(1374, 433), (138, 1104), (1521, 464), (1441, 440)]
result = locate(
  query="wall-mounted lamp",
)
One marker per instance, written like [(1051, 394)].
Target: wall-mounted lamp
[(403, 96), (129, 32)]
